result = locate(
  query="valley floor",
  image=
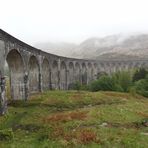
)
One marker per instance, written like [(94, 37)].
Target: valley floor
[(59, 119)]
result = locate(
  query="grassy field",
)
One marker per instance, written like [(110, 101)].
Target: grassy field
[(76, 119)]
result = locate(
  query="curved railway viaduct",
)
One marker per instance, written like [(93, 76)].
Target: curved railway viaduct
[(33, 70)]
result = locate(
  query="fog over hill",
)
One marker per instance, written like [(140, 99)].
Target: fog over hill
[(59, 48), (114, 46)]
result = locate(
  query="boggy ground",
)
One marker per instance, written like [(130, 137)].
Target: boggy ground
[(76, 119)]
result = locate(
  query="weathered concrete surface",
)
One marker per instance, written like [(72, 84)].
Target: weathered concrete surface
[(77, 72), (16, 68), (70, 75), (63, 76), (45, 72), (3, 99), (54, 75), (33, 70), (34, 74), (84, 73)]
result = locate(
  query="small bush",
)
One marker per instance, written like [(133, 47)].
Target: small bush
[(118, 88), (123, 80), (141, 87), (140, 74), (94, 86), (77, 86), (103, 83), (120, 81), (6, 135)]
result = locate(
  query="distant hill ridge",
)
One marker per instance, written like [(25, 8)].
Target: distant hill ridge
[(114, 46)]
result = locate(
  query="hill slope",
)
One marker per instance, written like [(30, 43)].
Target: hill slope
[(114, 46)]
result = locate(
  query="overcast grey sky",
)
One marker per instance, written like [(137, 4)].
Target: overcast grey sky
[(72, 20)]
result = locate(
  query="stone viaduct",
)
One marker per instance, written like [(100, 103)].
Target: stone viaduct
[(33, 70)]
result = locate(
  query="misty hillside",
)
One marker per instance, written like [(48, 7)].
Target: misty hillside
[(62, 49), (132, 46), (115, 46)]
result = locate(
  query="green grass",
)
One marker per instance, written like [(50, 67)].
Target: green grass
[(76, 119)]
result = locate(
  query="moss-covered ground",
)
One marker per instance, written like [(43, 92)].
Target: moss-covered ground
[(56, 119)]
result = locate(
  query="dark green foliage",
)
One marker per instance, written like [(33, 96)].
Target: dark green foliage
[(120, 81), (118, 88), (84, 87), (145, 122), (27, 127), (101, 74), (103, 83), (94, 86), (77, 86), (123, 80), (6, 134), (140, 74), (141, 87)]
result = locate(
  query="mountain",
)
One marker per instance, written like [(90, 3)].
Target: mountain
[(91, 46), (111, 47), (115, 46)]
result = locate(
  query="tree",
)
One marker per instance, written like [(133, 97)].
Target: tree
[(140, 74), (103, 83), (142, 87), (123, 80)]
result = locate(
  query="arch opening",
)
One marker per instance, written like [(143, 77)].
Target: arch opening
[(77, 72), (45, 75), (63, 76), (54, 76), (33, 74), (14, 75), (107, 68), (89, 73), (101, 67), (95, 71), (84, 74), (71, 76)]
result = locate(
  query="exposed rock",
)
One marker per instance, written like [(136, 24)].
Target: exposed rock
[(104, 124), (145, 122), (146, 134)]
